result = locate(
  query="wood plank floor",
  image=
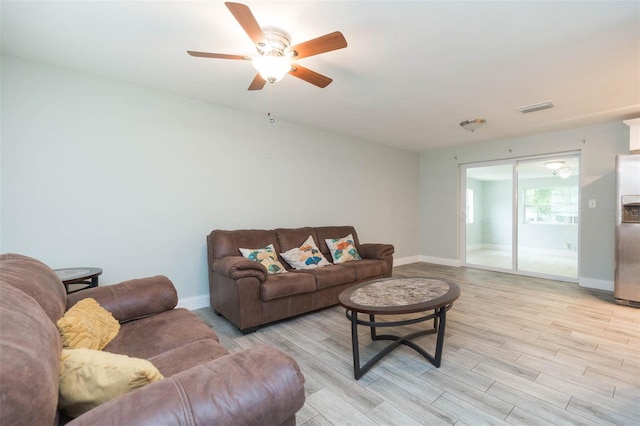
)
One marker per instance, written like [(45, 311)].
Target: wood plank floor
[(518, 350)]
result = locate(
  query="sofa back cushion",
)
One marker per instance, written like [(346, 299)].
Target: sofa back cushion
[(223, 243), (290, 238), (29, 353), (36, 280)]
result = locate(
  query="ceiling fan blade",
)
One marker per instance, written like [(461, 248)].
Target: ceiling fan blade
[(257, 83), (310, 76), (217, 55), (248, 22), (322, 44)]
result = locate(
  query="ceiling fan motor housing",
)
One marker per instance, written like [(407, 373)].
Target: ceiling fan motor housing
[(279, 40)]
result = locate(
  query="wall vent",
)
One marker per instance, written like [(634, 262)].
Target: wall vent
[(535, 107)]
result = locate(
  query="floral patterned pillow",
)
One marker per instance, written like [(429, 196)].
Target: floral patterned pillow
[(307, 256), (343, 249), (267, 256)]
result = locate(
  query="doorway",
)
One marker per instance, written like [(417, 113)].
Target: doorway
[(522, 216)]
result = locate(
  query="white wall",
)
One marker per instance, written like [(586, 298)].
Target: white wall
[(102, 173), (439, 177)]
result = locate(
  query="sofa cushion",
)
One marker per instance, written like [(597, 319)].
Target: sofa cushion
[(29, 350), (332, 275), (148, 337), (266, 256), (37, 280), (343, 249), (367, 268), (307, 256), (187, 356), (87, 325), (90, 377), (285, 285), (289, 238), (223, 243)]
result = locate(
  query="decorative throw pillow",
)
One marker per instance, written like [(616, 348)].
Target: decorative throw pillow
[(307, 256), (89, 377), (343, 249), (87, 325), (267, 256)]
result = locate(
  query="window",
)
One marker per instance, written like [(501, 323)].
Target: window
[(469, 210), (551, 205)]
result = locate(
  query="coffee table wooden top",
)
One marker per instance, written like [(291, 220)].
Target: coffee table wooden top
[(400, 295)]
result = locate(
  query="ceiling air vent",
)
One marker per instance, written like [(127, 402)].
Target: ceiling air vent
[(535, 107)]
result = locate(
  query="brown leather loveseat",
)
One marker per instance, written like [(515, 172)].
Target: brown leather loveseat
[(203, 383), (244, 292)]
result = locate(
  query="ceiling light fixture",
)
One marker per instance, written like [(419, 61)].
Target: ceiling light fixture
[(554, 164), (535, 107), (271, 68), (473, 125)]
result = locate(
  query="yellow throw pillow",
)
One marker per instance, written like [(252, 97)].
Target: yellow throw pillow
[(90, 377), (87, 325)]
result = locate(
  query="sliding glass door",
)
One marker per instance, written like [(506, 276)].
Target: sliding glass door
[(522, 216), (489, 215), (548, 216)]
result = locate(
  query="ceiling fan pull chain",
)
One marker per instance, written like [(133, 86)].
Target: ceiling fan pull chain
[(271, 119)]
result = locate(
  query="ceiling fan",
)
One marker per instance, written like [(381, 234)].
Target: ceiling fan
[(275, 51)]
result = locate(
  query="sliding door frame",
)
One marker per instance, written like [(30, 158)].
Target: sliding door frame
[(514, 162)]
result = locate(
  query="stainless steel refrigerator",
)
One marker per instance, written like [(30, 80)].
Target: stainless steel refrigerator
[(627, 273)]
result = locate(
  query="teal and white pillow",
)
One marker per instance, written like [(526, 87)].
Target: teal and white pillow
[(343, 249), (267, 256), (307, 256)]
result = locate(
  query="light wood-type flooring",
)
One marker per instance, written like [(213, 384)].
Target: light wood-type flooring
[(518, 350)]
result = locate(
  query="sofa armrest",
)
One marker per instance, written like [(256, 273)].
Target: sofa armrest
[(257, 386), (237, 267), (375, 250), (132, 299)]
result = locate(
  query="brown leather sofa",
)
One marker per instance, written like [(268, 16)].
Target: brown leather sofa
[(243, 292), (204, 384)]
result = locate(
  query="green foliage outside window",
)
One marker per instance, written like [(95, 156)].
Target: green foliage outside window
[(551, 205)]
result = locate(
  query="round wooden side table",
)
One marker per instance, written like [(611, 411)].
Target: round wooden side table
[(87, 276)]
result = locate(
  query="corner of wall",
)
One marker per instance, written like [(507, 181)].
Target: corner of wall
[(194, 302)]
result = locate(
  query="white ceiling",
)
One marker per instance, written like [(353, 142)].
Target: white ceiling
[(412, 71)]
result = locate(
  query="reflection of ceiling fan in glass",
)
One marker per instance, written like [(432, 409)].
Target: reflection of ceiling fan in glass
[(275, 51), (556, 167)]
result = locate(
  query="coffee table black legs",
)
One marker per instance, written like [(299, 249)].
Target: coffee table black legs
[(439, 322)]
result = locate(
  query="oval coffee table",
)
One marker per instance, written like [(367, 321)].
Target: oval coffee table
[(399, 296)]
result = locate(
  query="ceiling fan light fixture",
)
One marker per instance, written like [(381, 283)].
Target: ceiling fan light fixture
[(271, 68), (554, 164), (473, 125)]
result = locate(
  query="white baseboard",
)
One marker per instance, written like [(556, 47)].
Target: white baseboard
[(194, 302), (406, 260), (595, 283), (440, 261), (426, 259)]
